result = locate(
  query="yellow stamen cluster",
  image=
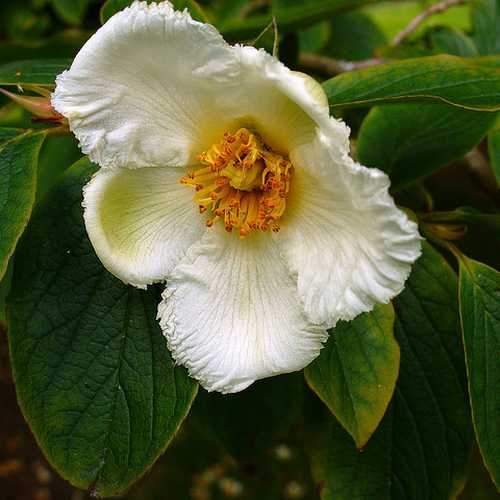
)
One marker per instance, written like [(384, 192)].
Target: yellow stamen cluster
[(242, 183)]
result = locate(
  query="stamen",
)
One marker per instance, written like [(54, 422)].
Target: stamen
[(243, 183)]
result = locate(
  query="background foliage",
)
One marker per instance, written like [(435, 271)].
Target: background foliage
[(403, 402)]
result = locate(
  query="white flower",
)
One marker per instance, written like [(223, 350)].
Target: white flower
[(293, 235)]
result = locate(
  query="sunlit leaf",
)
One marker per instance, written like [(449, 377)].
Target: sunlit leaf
[(467, 83), (357, 370)]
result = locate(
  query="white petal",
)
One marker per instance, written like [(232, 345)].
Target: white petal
[(283, 106), (140, 222), (140, 91), (231, 314), (347, 243)]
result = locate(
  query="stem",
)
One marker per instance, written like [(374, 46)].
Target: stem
[(331, 67), (418, 20)]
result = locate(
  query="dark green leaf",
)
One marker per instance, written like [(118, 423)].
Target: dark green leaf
[(494, 151), (71, 11), (357, 370), (421, 448), (467, 83), (93, 374), (18, 168), (485, 19), (410, 141), (41, 72), (480, 315), (58, 153)]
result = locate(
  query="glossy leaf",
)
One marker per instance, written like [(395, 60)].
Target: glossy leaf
[(41, 72), (467, 83), (71, 11), (357, 370), (410, 141), (93, 375), (480, 315), (485, 18), (18, 174), (421, 448)]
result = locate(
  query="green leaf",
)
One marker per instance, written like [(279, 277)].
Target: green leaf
[(410, 141), (422, 445), (290, 16), (8, 133), (40, 72), (480, 315), (494, 152), (354, 36), (467, 83), (93, 375), (452, 41), (357, 370), (18, 168), (71, 11), (485, 20)]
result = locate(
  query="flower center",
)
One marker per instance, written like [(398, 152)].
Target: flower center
[(243, 183)]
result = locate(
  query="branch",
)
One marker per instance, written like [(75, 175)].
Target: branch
[(331, 67), (418, 20)]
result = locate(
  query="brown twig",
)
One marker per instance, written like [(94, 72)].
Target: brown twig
[(418, 20), (331, 67)]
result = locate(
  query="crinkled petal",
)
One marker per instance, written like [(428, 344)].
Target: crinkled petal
[(140, 222), (285, 107), (141, 90), (231, 314), (343, 237)]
